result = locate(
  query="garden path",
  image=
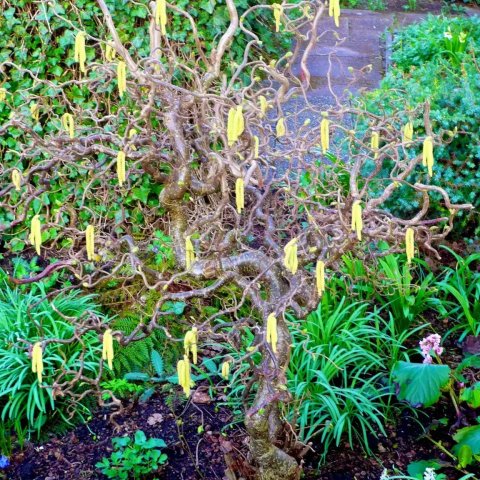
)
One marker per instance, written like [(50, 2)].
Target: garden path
[(356, 54)]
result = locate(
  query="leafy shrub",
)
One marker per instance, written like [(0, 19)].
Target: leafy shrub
[(27, 317), (338, 369), (133, 457), (427, 65)]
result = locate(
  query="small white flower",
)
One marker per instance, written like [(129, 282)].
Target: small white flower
[(384, 475), (448, 35), (429, 474)]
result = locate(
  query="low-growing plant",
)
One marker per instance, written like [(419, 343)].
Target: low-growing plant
[(338, 371), (423, 385), (121, 388), (133, 458), (25, 318)]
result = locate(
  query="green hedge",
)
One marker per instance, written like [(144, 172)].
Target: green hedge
[(428, 65)]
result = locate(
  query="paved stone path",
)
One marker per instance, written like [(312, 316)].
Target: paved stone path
[(356, 53)]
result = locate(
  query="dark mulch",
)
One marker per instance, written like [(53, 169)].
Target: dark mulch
[(197, 436), (196, 453)]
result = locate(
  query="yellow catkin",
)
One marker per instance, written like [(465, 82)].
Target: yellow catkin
[(410, 244), (235, 125), (225, 370), (290, 259), (281, 130), (16, 179), (36, 233), (3, 94), (408, 132), (239, 121), (35, 111), (189, 253), (90, 240), (263, 105), (325, 132), (240, 194), (181, 373), (375, 143), (37, 360), (190, 344), (132, 134), (334, 11), (357, 222), (80, 54), (107, 351), (231, 131), (320, 277), (256, 147), (427, 156), (272, 335), (68, 124), (122, 77), (184, 375), (121, 171), (110, 53), (161, 16), (277, 15)]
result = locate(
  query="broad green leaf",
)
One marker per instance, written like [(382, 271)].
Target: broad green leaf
[(471, 395), (465, 455), (417, 469), (468, 436), (420, 384)]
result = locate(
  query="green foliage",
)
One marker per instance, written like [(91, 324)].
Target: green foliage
[(469, 436), (429, 66), (458, 297), (121, 388), (135, 355), (390, 283), (338, 369), (399, 294), (417, 469), (39, 38), (471, 395), (162, 247), (420, 384), (27, 316), (133, 458)]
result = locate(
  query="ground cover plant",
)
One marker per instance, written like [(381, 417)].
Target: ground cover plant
[(222, 228)]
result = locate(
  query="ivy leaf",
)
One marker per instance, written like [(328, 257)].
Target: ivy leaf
[(174, 307), (420, 384), (141, 193)]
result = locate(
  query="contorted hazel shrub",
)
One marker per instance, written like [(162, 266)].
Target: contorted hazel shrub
[(231, 162)]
